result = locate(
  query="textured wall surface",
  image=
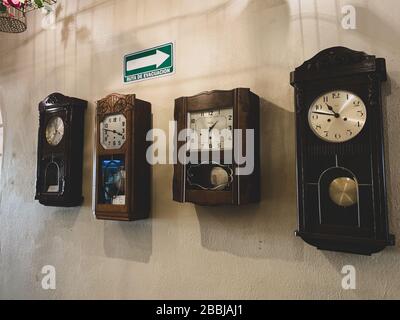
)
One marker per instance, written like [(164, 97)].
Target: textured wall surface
[(184, 251)]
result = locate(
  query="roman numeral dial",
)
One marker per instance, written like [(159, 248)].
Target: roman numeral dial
[(337, 116)]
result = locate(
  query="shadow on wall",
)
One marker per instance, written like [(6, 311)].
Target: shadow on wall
[(127, 41), (392, 152), (68, 25), (129, 241), (242, 231), (58, 227), (375, 27), (2, 133)]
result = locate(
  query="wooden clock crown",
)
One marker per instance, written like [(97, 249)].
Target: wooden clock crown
[(338, 62), (115, 103), (58, 100)]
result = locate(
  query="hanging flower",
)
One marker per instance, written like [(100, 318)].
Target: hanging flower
[(14, 3), (17, 9), (26, 4)]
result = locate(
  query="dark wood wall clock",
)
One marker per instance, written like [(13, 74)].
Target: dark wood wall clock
[(122, 172), (340, 152), (213, 183), (60, 151)]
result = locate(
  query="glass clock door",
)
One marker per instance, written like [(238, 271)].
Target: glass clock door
[(113, 181)]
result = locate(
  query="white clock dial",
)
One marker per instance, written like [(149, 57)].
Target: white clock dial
[(113, 132), (55, 131), (211, 130), (337, 116)]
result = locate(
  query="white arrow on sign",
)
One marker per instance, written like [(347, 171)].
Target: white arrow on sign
[(156, 59)]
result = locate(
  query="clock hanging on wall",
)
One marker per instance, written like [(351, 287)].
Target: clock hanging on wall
[(122, 171), (60, 151), (340, 152), (211, 176)]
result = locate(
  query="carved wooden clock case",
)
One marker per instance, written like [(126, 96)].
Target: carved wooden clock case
[(123, 175), (215, 183), (340, 152), (60, 151)]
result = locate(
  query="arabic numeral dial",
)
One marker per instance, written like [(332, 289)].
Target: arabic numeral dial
[(337, 116), (211, 130), (55, 131), (113, 132)]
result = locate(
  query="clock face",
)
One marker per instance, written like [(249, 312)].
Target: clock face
[(211, 130), (113, 132), (337, 116), (55, 131)]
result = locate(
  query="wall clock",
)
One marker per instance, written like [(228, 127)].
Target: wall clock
[(212, 119), (340, 152), (122, 171), (60, 151)]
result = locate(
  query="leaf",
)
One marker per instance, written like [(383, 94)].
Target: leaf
[(3, 8), (39, 3)]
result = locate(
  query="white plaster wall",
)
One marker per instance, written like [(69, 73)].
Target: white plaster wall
[(183, 251)]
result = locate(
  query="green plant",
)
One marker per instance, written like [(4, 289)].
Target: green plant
[(3, 8), (39, 3)]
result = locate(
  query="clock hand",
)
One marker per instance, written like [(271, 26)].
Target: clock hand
[(213, 126), (337, 115), (115, 132), (325, 114), (55, 132)]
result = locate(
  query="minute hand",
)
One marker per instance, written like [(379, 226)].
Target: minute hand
[(114, 131), (325, 114)]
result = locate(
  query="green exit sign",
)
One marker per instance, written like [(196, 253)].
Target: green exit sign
[(149, 64)]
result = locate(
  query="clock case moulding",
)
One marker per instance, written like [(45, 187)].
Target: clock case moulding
[(340, 68), (133, 153), (246, 110), (67, 156)]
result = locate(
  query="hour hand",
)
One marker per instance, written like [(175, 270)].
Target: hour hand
[(337, 115)]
